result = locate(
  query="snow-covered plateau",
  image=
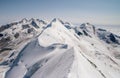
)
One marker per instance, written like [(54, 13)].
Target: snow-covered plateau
[(38, 49)]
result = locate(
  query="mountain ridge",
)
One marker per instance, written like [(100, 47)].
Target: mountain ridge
[(61, 50)]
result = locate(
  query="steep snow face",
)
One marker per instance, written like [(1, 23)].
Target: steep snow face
[(82, 68), (103, 57), (45, 60), (47, 56), (64, 51), (58, 66), (56, 32), (15, 35)]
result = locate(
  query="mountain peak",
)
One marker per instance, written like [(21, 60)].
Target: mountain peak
[(41, 21), (86, 24), (57, 20), (87, 27), (24, 20), (34, 50), (32, 19)]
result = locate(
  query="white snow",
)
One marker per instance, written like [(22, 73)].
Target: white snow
[(59, 52)]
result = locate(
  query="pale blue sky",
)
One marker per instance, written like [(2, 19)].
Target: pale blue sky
[(75, 11)]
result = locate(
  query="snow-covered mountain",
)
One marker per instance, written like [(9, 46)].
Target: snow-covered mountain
[(60, 50), (13, 34)]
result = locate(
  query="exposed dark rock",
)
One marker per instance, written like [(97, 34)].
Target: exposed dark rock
[(41, 21), (34, 24), (5, 39), (79, 33), (67, 26), (3, 27), (30, 30), (93, 29), (16, 35), (4, 49), (25, 26), (11, 55), (55, 19), (1, 35), (85, 32), (101, 29), (112, 38)]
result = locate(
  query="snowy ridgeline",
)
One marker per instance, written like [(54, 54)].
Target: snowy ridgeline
[(58, 50)]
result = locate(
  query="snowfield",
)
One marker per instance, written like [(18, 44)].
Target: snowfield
[(61, 50)]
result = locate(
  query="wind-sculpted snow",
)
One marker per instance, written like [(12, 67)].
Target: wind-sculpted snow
[(61, 50), (58, 66), (35, 58)]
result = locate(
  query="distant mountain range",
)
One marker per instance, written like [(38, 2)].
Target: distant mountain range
[(38, 49)]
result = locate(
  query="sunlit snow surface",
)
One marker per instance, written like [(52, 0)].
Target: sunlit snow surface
[(64, 51)]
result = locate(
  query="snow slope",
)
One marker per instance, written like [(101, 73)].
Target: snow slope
[(64, 51), (16, 34)]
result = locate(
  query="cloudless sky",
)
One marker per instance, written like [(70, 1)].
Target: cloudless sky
[(75, 11)]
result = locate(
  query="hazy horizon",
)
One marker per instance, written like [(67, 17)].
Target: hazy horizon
[(106, 12)]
